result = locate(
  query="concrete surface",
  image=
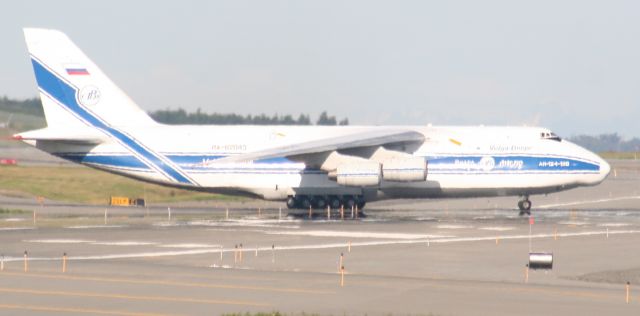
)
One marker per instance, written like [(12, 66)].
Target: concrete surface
[(440, 257)]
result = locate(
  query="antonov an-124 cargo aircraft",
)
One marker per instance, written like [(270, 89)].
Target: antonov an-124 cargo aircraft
[(92, 122)]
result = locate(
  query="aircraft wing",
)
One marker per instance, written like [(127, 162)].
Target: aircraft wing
[(376, 137)]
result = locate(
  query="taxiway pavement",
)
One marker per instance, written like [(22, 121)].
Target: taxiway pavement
[(442, 257)]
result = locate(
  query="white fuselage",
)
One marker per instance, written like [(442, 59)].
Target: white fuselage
[(91, 121), (462, 161)]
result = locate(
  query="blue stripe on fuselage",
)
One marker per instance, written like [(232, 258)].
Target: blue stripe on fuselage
[(510, 164), (66, 95), (192, 159), (468, 165), (120, 161)]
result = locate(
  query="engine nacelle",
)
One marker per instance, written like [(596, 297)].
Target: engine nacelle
[(412, 169), (359, 174)]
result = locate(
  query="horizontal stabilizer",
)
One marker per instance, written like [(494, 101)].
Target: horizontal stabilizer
[(89, 137)]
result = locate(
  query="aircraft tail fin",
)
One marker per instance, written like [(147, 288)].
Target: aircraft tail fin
[(75, 93)]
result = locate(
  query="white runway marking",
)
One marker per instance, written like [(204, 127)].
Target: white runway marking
[(189, 246), (497, 228), (426, 219), (15, 228), (575, 223), (590, 202), (323, 246), (95, 226), (248, 223), (349, 234), (167, 224), (224, 266), (614, 224), (13, 219), (537, 236), (241, 223), (124, 243), (484, 217), (454, 226), (60, 241)]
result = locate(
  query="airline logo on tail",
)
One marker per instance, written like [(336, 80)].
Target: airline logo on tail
[(89, 96), (62, 91)]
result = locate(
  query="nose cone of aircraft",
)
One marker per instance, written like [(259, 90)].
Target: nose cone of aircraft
[(593, 158), (604, 169)]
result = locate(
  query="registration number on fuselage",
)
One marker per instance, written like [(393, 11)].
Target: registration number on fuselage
[(554, 163), (229, 147)]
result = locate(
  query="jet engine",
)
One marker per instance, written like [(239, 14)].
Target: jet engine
[(411, 169), (359, 174)]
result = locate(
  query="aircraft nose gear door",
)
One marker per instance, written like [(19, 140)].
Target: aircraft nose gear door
[(524, 205)]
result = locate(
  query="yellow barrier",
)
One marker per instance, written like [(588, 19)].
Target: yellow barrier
[(119, 201), (125, 201)]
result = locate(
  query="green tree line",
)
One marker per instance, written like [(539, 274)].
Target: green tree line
[(180, 116), (28, 106)]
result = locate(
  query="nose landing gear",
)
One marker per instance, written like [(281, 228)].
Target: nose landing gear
[(524, 205)]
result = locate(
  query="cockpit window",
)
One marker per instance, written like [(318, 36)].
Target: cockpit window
[(551, 136)]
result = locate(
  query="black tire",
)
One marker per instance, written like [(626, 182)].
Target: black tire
[(292, 202), (526, 206), (334, 202), (361, 204), (305, 203), (319, 202), (349, 202), (520, 206)]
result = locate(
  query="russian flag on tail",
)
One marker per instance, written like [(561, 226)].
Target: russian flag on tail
[(76, 70)]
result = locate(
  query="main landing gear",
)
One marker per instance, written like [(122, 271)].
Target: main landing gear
[(524, 205), (321, 202)]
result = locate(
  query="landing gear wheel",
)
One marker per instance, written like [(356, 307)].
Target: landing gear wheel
[(361, 204), (525, 207), (292, 202), (305, 202), (334, 202), (349, 202), (319, 202)]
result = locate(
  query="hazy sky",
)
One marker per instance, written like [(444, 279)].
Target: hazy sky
[(573, 66)]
